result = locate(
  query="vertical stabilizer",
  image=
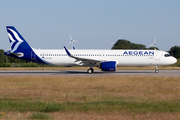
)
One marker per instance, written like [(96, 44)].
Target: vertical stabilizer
[(17, 42)]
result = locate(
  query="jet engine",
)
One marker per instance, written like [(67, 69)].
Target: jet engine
[(108, 66)]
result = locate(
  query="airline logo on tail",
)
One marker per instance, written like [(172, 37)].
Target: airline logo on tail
[(14, 38)]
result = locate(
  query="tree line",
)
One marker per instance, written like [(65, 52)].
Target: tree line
[(125, 44)]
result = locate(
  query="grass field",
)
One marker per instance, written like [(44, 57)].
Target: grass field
[(106, 97)]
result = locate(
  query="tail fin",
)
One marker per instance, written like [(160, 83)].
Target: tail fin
[(18, 43), (20, 48)]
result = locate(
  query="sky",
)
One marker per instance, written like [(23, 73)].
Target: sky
[(46, 24)]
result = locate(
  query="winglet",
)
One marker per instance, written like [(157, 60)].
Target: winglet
[(69, 54)]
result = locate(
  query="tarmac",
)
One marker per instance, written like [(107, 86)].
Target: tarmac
[(84, 73)]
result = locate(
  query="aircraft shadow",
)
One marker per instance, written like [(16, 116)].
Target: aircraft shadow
[(106, 72), (74, 72)]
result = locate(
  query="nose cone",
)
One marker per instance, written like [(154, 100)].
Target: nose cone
[(174, 60)]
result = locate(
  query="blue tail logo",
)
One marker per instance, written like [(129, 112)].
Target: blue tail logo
[(17, 42), (20, 48)]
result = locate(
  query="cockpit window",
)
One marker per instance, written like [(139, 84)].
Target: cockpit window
[(167, 55)]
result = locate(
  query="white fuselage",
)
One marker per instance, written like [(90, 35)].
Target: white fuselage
[(122, 57)]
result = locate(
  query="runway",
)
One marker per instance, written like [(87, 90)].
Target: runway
[(84, 73)]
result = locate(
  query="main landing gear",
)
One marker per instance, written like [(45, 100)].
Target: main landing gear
[(90, 70), (156, 69)]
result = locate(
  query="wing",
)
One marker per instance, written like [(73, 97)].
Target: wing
[(85, 61), (105, 65)]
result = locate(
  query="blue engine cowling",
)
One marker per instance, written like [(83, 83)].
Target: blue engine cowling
[(108, 66)]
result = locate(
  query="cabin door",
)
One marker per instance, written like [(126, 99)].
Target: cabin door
[(157, 56)]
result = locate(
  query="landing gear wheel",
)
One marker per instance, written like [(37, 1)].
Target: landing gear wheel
[(91, 70), (156, 69)]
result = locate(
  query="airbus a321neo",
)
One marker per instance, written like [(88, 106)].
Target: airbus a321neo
[(106, 60)]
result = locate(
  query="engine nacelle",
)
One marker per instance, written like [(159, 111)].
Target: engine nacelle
[(108, 66)]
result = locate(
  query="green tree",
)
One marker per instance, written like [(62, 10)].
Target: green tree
[(175, 51), (125, 44), (2, 56)]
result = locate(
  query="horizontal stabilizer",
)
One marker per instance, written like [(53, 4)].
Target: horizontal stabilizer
[(19, 54)]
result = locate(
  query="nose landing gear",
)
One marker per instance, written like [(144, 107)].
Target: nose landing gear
[(156, 69)]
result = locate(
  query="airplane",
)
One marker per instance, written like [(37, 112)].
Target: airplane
[(106, 60)]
